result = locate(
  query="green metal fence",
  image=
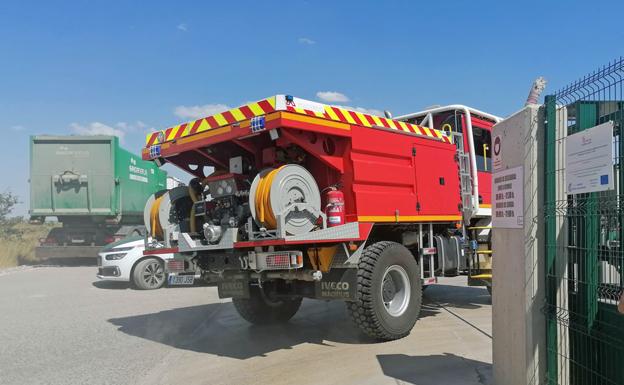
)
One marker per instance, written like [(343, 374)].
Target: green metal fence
[(584, 239)]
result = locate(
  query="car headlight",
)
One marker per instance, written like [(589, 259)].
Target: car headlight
[(115, 256), (123, 248)]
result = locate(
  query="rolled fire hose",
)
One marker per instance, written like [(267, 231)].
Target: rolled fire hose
[(263, 203), (289, 190), (156, 229)]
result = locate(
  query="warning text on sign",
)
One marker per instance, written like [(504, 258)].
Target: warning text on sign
[(508, 198)]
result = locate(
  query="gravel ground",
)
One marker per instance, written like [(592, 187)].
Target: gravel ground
[(59, 325)]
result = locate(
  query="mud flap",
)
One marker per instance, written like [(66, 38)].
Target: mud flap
[(337, 284), (233, 289)]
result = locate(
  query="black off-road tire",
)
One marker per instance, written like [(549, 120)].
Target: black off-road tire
[(369, 312), (260, 310)]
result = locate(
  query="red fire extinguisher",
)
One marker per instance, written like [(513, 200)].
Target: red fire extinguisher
[(335, 209)]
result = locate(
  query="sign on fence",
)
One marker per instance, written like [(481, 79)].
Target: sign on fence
[(589, 160)]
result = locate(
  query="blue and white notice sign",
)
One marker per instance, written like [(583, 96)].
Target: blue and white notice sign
[(589, 160)]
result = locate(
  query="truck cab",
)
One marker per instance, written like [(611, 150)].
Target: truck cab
[(475, 128)]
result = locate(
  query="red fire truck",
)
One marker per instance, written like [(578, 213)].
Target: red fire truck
[(293, 198)]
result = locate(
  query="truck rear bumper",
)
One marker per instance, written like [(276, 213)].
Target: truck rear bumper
[(50, 252)]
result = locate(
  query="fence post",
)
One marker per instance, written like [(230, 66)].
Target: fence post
[(518, 324), (550, 242)]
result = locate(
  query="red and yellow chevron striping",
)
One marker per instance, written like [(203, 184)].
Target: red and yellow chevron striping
[(366, 120), (213, 121), (290, 104)]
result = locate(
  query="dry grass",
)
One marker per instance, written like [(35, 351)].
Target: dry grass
[(14, 251)]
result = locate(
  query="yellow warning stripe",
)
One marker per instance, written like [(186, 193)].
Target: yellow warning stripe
[(348, 117), (310, 119), (404, 127), (331, 113), (214, 121), (173, 133), (409, 218), (365, 119), (242, 113), (203, 126), (220, 119), (203, 135), (377, 120), (392, 123), (362, 119)]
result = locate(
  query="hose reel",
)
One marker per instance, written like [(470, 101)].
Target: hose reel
[(167, 208), (286, 197)]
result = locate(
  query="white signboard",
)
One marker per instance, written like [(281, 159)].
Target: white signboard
[(508, 198), (497, 161), (589, 160)]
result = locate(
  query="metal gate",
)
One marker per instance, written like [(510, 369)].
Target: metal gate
[(584, 239)]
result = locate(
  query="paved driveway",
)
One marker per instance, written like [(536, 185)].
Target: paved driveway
[(58, 325)]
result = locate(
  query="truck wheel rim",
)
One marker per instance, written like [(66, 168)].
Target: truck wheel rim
[(153, 275), (395, 290)]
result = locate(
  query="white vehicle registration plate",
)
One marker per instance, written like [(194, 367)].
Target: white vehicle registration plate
[(181, 279)]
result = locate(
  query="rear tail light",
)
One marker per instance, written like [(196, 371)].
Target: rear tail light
[(276, 260), (109, 239), (279, 261), (428, 250), (49, 241)]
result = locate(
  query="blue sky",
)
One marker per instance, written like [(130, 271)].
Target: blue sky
[(125, 67)]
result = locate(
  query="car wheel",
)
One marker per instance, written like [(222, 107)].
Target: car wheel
[(149, 274)]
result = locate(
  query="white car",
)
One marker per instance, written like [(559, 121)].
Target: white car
[(124, 261)]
